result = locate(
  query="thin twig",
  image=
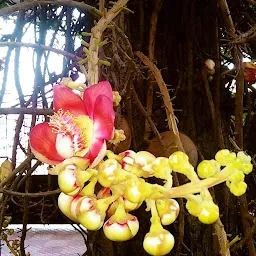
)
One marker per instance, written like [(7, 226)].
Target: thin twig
[(151, 55), (42, 47), (97, 31), (30, 4), (166, 98), (28, 111), (38, 194)]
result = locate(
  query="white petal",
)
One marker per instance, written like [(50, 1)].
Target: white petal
[(64, 146)]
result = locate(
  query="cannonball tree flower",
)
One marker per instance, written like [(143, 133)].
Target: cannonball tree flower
[(79, 127)]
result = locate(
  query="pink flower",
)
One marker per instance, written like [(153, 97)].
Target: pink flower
[(79, 126)]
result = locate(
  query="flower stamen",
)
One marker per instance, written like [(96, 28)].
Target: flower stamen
[(65, 123)]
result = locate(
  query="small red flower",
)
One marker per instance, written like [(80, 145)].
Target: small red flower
[(250, 72), (79, 126)]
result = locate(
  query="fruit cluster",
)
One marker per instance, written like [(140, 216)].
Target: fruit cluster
[(124, 182)]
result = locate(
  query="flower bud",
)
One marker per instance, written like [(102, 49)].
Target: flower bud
[(237, 188), (116, 231), (88, 214), (161, 168), (193, 205), (144, 158), (208, 168), (64, 203), (236, 176), (245, 161), (168, 210), (128, 163), (178, 160), (116, 98), (108, 172), (137, 190), (158, 243), (67, 180), (209, 212), (210, 66), (225, 157), (128, 153)]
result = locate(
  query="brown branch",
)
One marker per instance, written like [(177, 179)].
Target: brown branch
[(102, 6), (217, 98), (209, 97), (151, 54), (24, 219), (223, 6), (152, 32), (221, 234), (16, 138), (40, 46), (247, 36), (33, 3), (38, 194), (29, 111), (239, 97), (97, 31), (246, 238), (28, 174), (144, 112), (166, 98), (246, 40)]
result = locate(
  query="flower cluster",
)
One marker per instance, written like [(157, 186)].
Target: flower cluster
[(74, 141)]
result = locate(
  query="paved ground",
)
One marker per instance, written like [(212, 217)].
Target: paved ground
[(51, 240)]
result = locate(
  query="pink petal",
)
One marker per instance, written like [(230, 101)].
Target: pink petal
[(94, 151), (64, 98), (91, 94), (103, 118), (42, 143)]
